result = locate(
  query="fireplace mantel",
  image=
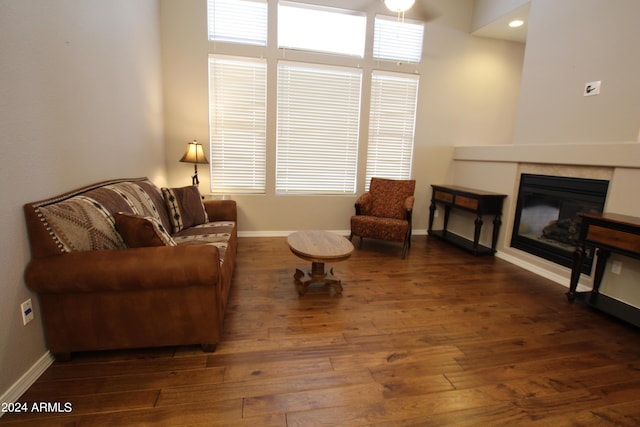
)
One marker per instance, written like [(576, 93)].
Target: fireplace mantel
[(626, 154)]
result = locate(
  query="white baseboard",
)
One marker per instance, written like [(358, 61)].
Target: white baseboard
[(558, 278), (25, 381), (281, 233)]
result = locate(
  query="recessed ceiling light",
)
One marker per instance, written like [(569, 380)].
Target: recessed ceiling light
[(516, 23)]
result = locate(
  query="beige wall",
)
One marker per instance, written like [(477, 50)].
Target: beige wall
[(468, 94), (80, 102), (570, 43), (573, 42)]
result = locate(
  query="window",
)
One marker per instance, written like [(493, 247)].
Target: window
[(238, 21), (391, 125), (318, 111), (237, 108), (318, 118), (321, 29), (397, 40)]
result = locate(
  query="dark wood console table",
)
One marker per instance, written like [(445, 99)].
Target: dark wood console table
[(607, 233), (476, 201)]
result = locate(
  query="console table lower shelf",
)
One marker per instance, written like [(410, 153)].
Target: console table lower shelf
[(462, 242), (610, 306)]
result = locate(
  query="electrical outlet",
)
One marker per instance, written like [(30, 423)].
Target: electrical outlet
[(616, 267), (27, 311)]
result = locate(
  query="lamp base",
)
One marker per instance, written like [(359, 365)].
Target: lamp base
[(194, 178)]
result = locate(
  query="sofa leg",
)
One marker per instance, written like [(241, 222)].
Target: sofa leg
[(63, 356), (209, 348)]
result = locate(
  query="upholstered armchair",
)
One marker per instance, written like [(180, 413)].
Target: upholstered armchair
[(384, 212)]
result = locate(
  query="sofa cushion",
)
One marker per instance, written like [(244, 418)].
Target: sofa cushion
[(142, 231), (388, 197), (136, 197), (185, 207), (215, 233)]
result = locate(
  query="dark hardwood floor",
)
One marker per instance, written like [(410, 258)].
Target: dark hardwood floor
[(440, 338)]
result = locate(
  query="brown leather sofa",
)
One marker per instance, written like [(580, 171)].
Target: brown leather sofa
[(123, 264)]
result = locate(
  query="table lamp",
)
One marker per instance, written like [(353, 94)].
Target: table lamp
[(194, 154)]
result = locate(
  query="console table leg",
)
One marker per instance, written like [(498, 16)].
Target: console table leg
[(447, 212), (432, 211), (476, 234), (578, 257), (603, 256), (497, 222)]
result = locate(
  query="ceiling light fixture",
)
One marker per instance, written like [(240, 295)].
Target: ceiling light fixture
[(516, 23), (398, 5)]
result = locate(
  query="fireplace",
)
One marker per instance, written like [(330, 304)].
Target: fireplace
[(546, 224)]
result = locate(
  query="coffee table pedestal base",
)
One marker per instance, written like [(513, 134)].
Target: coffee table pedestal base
[(317, 275)]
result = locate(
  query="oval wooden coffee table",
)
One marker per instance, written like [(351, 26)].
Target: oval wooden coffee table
[(318, 247)]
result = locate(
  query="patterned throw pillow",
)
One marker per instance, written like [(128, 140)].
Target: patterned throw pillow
[(142, 231), (185, 207), (81, 223)]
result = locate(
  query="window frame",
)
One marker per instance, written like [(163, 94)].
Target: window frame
[(313, 18), (238, 138), (387, 31), (241, 21), (275, 55), (392, 121), (306, 107)]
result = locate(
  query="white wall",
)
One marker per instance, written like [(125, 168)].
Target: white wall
[(80, 102), (468, 93)]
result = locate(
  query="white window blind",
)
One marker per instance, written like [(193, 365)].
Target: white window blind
[(391, 125), (321, 29), (396, 40), (238, 21), (318, 114), (237, 108)]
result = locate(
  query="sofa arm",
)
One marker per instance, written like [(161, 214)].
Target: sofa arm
[(221, 210), (125, 269)]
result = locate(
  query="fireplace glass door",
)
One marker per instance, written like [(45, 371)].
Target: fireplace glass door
[(546, 222)]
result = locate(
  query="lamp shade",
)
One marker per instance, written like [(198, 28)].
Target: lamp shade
[(398, 5), (194, 153)]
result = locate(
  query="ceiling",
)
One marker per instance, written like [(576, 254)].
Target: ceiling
[(423, 10), (499, 29)]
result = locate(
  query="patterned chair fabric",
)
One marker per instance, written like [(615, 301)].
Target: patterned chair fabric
[(384, 212)]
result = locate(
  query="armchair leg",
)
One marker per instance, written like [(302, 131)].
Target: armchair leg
[(407, 243)]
